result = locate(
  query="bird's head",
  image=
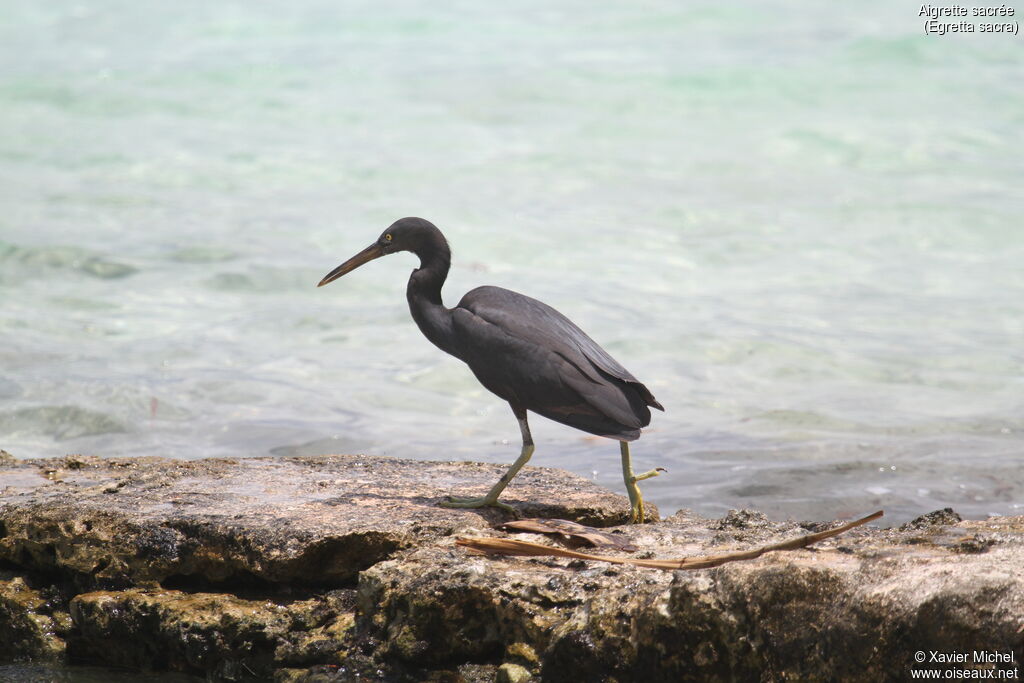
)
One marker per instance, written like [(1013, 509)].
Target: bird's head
[(407, 234)]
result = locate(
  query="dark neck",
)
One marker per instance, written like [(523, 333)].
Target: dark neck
[(424, 293)]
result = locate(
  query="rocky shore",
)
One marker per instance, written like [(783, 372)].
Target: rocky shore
[(344, 568)]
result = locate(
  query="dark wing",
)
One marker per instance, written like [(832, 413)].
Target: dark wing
[(524, 350)]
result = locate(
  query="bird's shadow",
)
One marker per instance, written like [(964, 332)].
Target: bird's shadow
[(491, 515)]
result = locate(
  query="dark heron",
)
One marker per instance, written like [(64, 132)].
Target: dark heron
[(522, 350)]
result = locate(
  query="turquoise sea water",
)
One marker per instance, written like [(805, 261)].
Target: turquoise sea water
[(801, 226)]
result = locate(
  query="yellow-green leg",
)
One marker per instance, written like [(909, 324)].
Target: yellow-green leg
[(491, 499), (636, 501)]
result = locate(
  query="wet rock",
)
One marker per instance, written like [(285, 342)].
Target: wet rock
[(513, 673), (821, 614), (936, 518), (343, 568), (743, 519), (226, 637), (33, 624), (120, 522)]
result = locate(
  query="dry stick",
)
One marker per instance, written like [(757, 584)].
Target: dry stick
[(508, 546)]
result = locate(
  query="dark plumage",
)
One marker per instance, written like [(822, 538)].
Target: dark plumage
[(533, 356), (520, 349)]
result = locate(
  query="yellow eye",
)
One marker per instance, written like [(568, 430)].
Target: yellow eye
[(387, 237)]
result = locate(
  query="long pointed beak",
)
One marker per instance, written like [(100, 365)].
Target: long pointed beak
[(371, 252)]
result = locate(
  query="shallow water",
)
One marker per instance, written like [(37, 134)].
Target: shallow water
[(802, 229), (48, 673)]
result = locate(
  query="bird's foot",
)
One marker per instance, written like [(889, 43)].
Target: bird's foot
[(647, 475), (637, 515), (481, 502)]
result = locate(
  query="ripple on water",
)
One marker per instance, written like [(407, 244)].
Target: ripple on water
[(810, 423), (23, 262), (59, 422), (202, 254), (330, 446), (263, 280), (9, 389)]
